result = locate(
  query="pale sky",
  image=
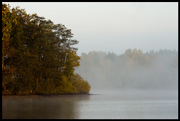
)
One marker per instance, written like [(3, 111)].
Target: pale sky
[(113, 26)]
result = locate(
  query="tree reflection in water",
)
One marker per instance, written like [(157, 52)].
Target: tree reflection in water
[(41, 107)]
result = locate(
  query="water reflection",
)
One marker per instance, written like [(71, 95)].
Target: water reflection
[(103, 106), (41, 107)]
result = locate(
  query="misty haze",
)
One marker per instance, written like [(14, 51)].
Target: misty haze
[(90, 60), (133, 72)]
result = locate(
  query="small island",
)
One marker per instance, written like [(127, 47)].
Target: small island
[(38, 56)]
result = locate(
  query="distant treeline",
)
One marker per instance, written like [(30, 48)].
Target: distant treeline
[(38, 56), (132, 69)]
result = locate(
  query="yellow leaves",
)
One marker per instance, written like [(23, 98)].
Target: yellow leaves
[(7, 20), (6, 28), (66, 86), (81, 85), (75, 59), (14, 21), (33, 48)]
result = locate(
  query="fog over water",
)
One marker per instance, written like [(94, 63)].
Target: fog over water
[(133, 74), (129, 56), (104, 106)]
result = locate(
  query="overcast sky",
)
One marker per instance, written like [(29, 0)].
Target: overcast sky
[(113, 26)]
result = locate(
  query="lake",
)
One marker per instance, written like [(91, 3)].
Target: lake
[(97, 106)]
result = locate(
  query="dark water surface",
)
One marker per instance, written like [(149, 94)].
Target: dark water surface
[(87, 107)]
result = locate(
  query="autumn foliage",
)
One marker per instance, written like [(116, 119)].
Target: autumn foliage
[(38, 56)]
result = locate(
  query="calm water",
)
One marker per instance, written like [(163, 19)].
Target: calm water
[(103, 106)]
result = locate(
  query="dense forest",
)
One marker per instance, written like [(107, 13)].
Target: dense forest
[(130, 70), (38, 57)]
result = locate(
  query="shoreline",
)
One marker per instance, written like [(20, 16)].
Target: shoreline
[(72, 94)]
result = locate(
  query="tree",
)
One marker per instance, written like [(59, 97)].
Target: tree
[(44, 57), (8, 18)]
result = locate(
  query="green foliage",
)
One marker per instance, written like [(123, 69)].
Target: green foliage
[(8, 19), (66, 86), (43, 58), (81, 85)]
